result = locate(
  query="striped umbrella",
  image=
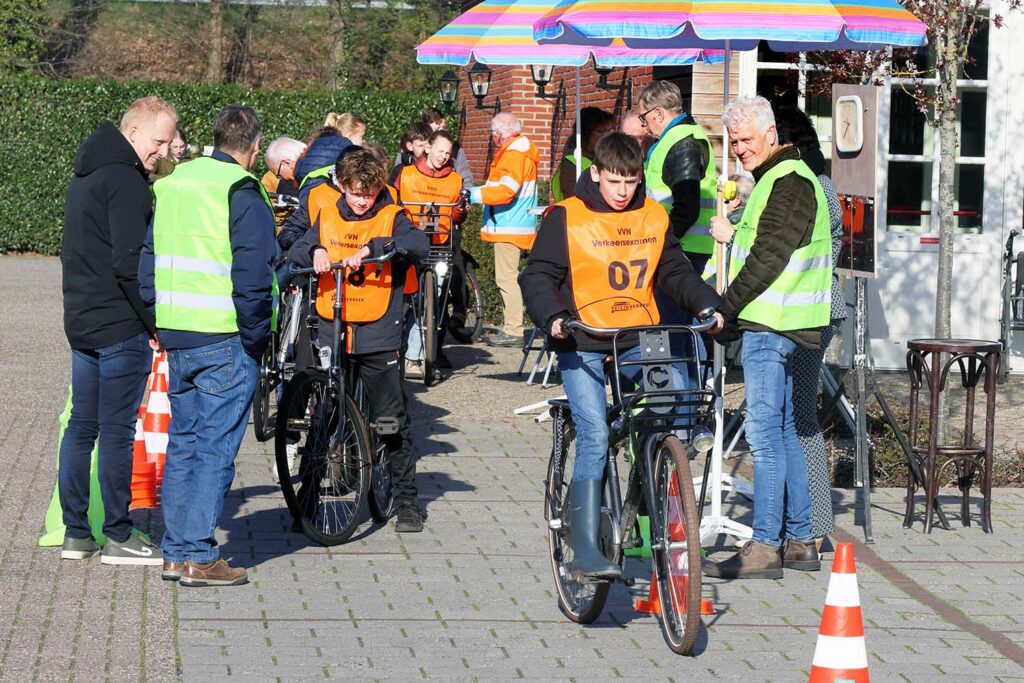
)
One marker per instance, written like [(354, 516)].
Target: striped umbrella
[(787, 25), (500, 32)]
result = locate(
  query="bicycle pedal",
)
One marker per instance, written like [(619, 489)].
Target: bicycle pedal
[(385, 425), (628, 581)]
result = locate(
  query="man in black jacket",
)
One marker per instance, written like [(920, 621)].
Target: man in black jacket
[(106, 212)]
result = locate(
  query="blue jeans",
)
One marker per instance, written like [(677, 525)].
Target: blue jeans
[(414, 333), (780, 468), (107, 385), (583, 381), (210, 392)]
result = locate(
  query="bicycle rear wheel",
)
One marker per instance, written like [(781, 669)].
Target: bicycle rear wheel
[(323, 458), (382, 497), (429, 294), (675, 545), (580, 599), (262, 426), (473, 325)]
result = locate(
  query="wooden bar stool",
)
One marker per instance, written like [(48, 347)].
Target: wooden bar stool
[(925, 362)]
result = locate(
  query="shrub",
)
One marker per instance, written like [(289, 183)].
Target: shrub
[(43, 121)]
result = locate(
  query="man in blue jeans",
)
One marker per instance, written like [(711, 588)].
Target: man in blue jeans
[(597, 258), (207, 265), (779, 298), (107, 209)]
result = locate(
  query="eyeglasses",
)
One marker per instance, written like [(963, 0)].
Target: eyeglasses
[(643, 116)]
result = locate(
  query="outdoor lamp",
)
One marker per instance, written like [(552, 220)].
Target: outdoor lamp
[(604, 72), (449, 85), (480, 84), (541, 77)]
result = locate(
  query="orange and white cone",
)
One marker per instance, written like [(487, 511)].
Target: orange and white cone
[(841, 654), (158, 410)]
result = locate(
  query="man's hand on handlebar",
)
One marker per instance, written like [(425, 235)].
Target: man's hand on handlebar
[(719, 323)]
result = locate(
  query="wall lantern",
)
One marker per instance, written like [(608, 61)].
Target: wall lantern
[(604, 72), (480, 85)]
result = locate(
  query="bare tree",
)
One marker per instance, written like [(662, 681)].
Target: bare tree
[(339, 10), (215, 50)]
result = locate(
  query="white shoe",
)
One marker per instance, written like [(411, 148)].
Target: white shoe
[(413, 369)]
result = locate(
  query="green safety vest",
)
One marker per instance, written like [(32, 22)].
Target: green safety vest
[(698, 238), (322, 172), (192, 246), (556, 180), (800, 297)]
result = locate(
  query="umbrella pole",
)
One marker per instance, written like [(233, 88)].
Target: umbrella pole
[(579, 129), (716, 523)]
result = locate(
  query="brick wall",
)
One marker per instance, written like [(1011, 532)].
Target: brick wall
[(546, 125)]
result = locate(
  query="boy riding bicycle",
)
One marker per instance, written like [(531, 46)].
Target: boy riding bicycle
[(598, 257), (364, 223)]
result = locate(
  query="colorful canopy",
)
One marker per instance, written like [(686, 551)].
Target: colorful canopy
[(787, 25), (501, 32)]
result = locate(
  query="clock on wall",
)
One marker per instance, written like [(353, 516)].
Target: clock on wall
[(849, 122)]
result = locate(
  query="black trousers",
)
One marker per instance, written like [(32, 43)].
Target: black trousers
[(381, 377)]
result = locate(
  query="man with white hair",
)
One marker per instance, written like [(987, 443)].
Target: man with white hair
[(779, 299), (507, 196), (281, 155)]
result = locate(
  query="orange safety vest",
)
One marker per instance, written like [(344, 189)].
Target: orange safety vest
[(416, 186), (366, 292), (612, 261)]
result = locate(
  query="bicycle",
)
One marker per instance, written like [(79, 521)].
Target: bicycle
[(436, 308), (284, 205), (1011, 316), (278, 361), (643, 425), (326, 480)]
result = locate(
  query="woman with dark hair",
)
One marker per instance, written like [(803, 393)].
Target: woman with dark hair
[(795, 128)]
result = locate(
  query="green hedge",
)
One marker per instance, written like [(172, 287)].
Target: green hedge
[(43, 121)]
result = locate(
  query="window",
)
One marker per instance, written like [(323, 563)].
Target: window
[(914, 149)]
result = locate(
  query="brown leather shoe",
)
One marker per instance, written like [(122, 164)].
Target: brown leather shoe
[(218, 573), (801, 556), (753, 561), (172, 571)]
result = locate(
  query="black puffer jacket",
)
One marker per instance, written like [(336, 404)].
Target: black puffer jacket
[(106, 213), (547, 284)]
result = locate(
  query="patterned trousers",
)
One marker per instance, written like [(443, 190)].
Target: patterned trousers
[(806, 368)]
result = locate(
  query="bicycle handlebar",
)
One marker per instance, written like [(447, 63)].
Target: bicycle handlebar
[(707, 316), (338, 265), (436, 205)]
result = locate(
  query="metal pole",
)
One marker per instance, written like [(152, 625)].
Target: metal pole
[(863, 467), (579, 129)]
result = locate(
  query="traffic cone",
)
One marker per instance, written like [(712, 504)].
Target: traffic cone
[(158, 410), (143, 486), (652, 603), (841, 655)]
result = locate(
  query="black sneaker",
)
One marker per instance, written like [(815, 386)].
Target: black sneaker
[(137, 550), (78, 548), (409, 520)]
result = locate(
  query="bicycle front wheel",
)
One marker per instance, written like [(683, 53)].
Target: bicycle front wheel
[(581, 599), (429, 294), (472, 327), (323, 458), (675, 546)]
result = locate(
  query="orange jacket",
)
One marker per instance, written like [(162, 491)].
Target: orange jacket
[(509, 194)]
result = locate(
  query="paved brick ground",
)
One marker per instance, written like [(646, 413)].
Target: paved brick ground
[(471, 598)]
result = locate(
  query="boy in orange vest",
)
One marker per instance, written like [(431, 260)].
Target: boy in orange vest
[(597, 258), (431, 178), (365, 223)]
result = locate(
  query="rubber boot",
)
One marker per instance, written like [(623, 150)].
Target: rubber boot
[(584, 525)]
